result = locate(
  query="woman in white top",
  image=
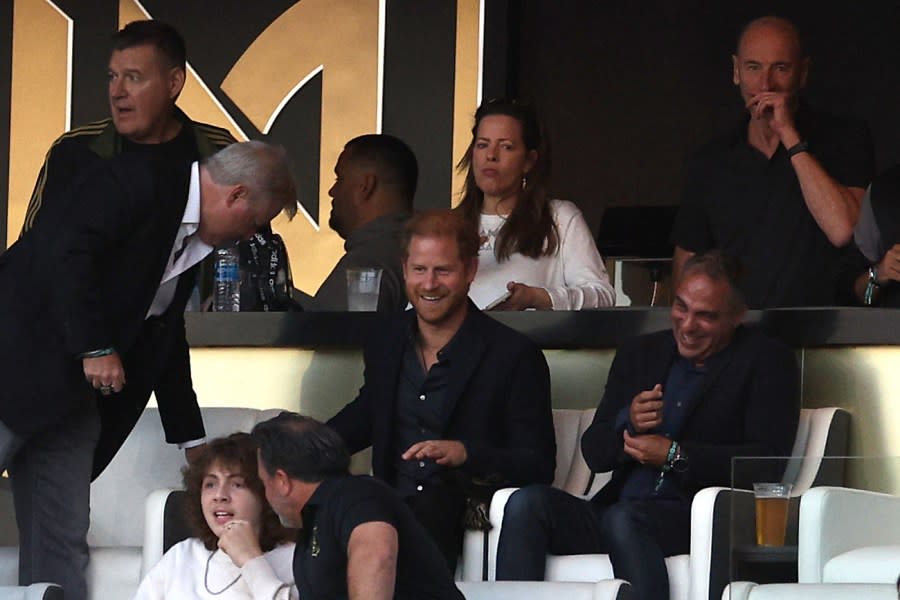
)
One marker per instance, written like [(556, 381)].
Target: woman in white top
[(535, 252), (241, 550)]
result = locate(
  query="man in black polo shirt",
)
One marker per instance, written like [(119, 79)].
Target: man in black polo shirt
[(357, 539), (678, 406), (454, 403), (782, 192)]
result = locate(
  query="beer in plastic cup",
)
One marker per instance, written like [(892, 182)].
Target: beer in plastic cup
[(771, 512)]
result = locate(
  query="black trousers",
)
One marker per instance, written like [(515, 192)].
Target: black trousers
[(440, 510)]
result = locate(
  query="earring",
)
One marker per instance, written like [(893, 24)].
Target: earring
[(524, 182)]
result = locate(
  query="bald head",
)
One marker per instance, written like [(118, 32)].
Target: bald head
[(771, 27)]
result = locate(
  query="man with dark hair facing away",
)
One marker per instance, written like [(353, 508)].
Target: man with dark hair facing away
[(357, 539), (372, 198)]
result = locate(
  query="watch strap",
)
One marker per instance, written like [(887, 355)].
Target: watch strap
[(797, 149)]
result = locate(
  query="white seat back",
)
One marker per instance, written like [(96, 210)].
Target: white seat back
[(809, 448), (35, 591), (544, 590), (568, 444), (582, 481), (742, 590), (146, 463), (848, 535)]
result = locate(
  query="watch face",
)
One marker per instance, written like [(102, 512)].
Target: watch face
[(680, 464)]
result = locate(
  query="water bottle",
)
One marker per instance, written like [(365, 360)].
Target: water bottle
[(228, 280)]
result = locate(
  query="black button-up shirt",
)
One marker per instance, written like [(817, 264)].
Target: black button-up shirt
[(423, 413)]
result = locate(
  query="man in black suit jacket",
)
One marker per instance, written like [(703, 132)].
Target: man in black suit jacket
[(453, 402), (101, 279), (678, 406)]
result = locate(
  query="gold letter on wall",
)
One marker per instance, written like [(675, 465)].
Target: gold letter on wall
[(39, 102), (342, 39)]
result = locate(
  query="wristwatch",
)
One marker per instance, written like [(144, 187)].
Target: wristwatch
[(679, 462)]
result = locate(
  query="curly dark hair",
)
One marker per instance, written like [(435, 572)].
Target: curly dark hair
[(530, 229), (237, 452)]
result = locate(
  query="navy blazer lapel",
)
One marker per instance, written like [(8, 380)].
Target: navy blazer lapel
[(168, 194), (387, 376), (173, 198), (466, 359), (713, 373)]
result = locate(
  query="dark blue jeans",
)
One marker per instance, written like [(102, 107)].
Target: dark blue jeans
[(539, 520)]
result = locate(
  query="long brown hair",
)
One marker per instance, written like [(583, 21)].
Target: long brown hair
[(530, 229)]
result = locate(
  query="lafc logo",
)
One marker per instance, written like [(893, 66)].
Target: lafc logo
[(308, 74)]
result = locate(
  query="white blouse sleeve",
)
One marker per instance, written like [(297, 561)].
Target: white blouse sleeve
[(586, 281)]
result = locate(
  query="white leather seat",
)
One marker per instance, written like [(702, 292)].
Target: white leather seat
[(591, 567), (743, 590), (544, 590), (572, 475), (848, 536), (35, 591), (145, 463)]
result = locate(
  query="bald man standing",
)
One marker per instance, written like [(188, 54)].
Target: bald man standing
[(782, 191)]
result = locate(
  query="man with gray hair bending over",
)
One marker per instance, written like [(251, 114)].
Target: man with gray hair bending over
[(92, 312), (678, 406)]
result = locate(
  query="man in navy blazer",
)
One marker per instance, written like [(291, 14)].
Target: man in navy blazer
[(91, 303), (454, 404), (678, 406)]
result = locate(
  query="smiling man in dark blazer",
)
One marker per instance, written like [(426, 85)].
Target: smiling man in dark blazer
[(91, 304), (678, 406), (453, 401)]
